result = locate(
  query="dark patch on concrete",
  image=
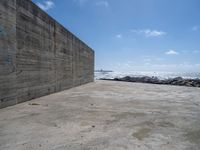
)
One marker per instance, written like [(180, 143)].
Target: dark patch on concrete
[(194, 137), (146, 123), (125, 115), (34, 104), (142, 133), (166, 124)]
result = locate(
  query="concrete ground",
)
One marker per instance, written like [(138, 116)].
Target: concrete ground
[(106, 115)]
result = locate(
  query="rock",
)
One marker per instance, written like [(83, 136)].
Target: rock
[(178, 79), (155, 80)]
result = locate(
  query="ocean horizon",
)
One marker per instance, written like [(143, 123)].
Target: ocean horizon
[(158, 74)]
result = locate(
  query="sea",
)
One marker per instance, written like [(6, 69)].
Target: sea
[(158, 74)]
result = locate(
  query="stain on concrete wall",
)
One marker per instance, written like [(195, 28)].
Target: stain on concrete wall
[(38, 56)]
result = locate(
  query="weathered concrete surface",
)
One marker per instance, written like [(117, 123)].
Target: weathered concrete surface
[(38, 56), (106, 115)]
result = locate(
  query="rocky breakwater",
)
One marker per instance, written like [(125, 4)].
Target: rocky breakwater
[(155, 80)]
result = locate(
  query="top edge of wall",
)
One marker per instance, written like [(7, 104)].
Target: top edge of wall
[(54, 20)]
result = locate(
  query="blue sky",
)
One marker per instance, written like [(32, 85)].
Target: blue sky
[(134, 35)]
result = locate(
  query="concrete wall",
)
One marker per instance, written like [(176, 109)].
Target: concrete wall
[(38, 56)]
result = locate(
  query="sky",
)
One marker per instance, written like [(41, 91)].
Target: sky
[(134, 35)]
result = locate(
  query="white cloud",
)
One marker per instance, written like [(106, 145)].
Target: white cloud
[(119, 36), (171, 52), (195, 28), (48, 4), (102, 3), (150, 33)]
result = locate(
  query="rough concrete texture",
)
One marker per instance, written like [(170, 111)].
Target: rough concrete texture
[(105, 115), (38, 56)]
